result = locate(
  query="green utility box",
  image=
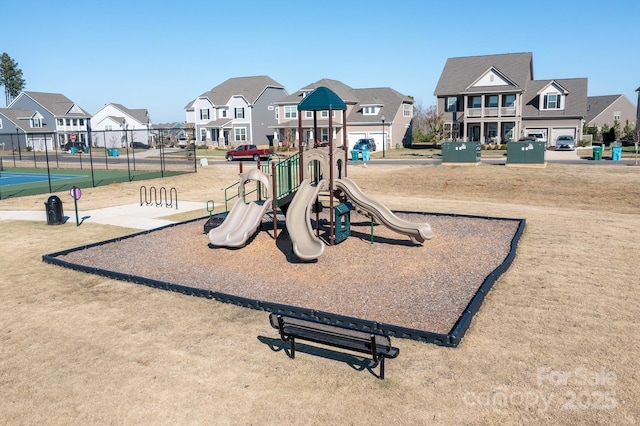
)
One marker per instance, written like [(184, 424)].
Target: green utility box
[(597, 153), (525, 153), (461, 152)]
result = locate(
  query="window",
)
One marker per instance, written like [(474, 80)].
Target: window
[(239, 112), (369, 110), (75, 121), (452, 104), (552, 101), (224, 113), (324, 114), (60, 122), (204, 114), (308, 114), (240, 134), (36, 123), (324, 134), (406, 110), (475, 102), (509, 100), (277, 113), (82, 121), (491, 101), (68, 122), (0, 123), (617, 115), (290, 111), (108, 128), (203, 134)]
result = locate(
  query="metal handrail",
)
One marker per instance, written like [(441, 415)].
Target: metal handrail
[(287, 180)]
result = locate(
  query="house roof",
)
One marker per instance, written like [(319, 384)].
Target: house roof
[(597, 104), (57, 104), (18, 117), (249, 87), (140, 115), (575, 100), (460, 73), (345, 92), (388, 98)]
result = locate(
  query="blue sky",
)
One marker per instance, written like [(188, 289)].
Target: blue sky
[(160, 55)]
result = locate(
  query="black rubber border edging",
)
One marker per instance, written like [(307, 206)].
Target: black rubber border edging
[(452, 339)]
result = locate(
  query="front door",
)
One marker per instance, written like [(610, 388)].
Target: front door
[(474, 132)]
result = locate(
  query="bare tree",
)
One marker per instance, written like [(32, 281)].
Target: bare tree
[(428, 125), (10, 78)]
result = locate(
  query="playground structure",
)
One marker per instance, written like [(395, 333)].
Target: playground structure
[(294, 185)]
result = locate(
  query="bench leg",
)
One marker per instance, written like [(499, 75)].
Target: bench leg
[(382, 368), (293, 347)]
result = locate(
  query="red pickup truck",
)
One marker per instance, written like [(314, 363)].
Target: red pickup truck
[(248, 151)]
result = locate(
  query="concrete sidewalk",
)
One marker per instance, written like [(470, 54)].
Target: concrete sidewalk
[(129, 216)]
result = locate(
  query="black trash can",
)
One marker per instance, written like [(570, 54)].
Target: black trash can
[(53, 207)]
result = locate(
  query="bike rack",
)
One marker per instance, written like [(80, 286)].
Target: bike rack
[(151, 196)]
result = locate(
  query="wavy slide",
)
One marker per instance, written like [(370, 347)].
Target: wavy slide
[(305, 244), (240, 224), (418, 232)]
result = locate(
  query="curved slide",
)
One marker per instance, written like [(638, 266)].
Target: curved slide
[(418, 232), (305, 244)]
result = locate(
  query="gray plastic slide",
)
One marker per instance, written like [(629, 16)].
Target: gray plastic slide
[(244, 218), (240, 224), (305, 244), (418, 232)]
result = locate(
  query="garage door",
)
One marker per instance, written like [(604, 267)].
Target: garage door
[(561, 131)]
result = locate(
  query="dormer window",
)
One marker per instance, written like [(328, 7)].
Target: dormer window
[(369, 110), (552, 101), (36, 123)]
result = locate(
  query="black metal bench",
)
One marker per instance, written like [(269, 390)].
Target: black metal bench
[(376, 345)]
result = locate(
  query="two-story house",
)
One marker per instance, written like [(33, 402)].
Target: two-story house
[(372, 113), (59, 114), (240, 110), (115, 125), (609, 110), (495, 99)]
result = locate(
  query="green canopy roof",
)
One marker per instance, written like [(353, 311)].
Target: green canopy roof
[(322, 99)]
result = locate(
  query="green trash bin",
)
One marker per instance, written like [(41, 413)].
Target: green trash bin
[(597, 153), (354, 155)]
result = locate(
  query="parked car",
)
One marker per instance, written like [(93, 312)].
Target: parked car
[(248, 151), (565, 143), (79, 146), (362, 144), (138, 145), (538, 137)]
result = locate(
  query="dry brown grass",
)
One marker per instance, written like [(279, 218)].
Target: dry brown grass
[(81, 349)]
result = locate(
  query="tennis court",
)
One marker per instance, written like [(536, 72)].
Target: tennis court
[(15, 178), (19, 182)]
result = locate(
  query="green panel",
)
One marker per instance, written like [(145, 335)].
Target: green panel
[(535, 155), (526, 152), (461, 152), (515, 152)]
